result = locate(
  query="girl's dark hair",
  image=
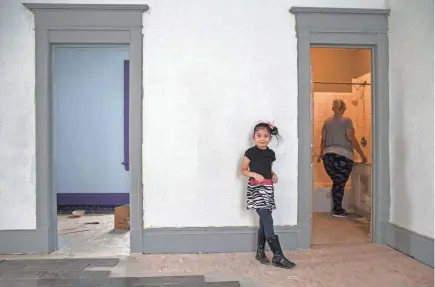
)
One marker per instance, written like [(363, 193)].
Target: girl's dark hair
[(271, 129)]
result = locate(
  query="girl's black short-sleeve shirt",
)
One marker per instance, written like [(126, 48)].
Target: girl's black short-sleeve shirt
[(261, 161)]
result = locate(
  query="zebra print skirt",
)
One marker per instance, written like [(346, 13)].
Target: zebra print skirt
[(260, 195)]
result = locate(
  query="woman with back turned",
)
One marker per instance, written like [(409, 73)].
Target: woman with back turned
[(336, 151)]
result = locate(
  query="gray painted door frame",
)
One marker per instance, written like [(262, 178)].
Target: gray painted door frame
[(81, 24), (344, 28)]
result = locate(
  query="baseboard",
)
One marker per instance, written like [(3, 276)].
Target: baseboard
[(412, 244), (115, 199), (136, 240), (23, 241), (90, 209), (212, 239), (165, 240)]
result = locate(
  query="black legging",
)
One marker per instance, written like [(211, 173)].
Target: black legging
[(338, 168), (266, 222)]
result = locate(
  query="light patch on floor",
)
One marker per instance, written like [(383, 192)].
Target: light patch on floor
[(82, 235), (332, 262), (356, 265), (78, 236), (327, 230)]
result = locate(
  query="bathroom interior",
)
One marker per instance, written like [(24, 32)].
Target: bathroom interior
[(342, 73)]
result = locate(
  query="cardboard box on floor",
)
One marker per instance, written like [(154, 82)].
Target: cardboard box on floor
[(122, 217)]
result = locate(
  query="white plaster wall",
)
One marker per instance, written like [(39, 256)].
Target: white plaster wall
[(412, 115), (211, 70), (217, 67), (17, 117)]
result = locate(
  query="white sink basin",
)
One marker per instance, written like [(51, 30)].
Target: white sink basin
[(362, 168)]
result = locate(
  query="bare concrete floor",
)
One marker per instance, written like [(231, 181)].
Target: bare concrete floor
[(331, 262), (356, 265), (79, 236), (83, 235)]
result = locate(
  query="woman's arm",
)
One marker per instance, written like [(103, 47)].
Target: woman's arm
[(350, 134), (322, 143)]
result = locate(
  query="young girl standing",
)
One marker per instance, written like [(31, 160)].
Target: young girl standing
[(257, 165)]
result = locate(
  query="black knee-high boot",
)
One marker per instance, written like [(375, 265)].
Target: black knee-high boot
[(278, 259), (261, 243)]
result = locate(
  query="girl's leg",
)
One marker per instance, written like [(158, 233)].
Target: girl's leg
[(278, 259), (266, 222), (261, 227), (261, 244)]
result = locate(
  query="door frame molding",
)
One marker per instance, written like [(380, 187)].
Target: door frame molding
[(344, 28), (83, 24)]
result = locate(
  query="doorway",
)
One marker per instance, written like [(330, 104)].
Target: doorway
[(90, 147), (342, 74), (86, 25), (355, 29)]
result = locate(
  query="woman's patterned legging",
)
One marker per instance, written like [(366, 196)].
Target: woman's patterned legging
[(338, 168)]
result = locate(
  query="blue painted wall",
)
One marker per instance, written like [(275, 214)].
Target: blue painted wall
[(88, 120)]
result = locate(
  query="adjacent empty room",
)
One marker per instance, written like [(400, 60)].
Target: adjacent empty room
[(90, 99)]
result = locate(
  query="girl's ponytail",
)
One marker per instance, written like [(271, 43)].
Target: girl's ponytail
[(274, 131)]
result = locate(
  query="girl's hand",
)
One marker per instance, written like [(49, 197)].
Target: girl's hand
[(258, 177), (274, 178)]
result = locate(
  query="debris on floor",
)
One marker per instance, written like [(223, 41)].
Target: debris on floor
[(73, 230), (77, 228), (84, 235), (78, 213)]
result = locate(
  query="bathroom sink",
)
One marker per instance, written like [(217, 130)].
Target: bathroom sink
[(361, 201), (360, 163), (362, 168)]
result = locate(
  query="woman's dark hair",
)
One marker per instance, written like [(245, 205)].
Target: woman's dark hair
[(271, 129)]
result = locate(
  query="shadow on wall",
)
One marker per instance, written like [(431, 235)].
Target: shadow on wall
[(243, 196), (398, 169)]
